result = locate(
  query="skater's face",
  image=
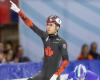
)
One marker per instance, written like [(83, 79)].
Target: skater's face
[(52, 28)]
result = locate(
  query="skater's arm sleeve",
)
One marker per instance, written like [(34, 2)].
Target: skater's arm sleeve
[(30, 24), (65, 60), (62, 67)]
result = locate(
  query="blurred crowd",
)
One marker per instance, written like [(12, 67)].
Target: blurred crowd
[(9, 54), (89, 52)]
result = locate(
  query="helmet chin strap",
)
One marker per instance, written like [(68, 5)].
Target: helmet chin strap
[(56, 33)]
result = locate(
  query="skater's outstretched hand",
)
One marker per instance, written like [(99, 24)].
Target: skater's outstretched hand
[(14, 7), (54, 77)]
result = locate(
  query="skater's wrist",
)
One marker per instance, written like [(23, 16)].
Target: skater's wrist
[(54, 77), (14, 7)]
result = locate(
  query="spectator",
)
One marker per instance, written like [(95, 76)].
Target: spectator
[(9, 56), (85, 53), (1, 46), (93, 50), (2, 55), (8, 46), (2, 58), (19, 55)]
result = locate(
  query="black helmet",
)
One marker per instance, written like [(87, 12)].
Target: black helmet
[(55, 19)]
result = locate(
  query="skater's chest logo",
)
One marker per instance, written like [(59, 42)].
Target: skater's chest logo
[(48, 51)]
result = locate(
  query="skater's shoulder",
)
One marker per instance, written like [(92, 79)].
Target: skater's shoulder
[(62, 40)]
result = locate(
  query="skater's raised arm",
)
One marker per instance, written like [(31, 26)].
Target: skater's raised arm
[(26, 20)]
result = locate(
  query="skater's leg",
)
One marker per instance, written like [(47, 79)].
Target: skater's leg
[(38, 77)]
